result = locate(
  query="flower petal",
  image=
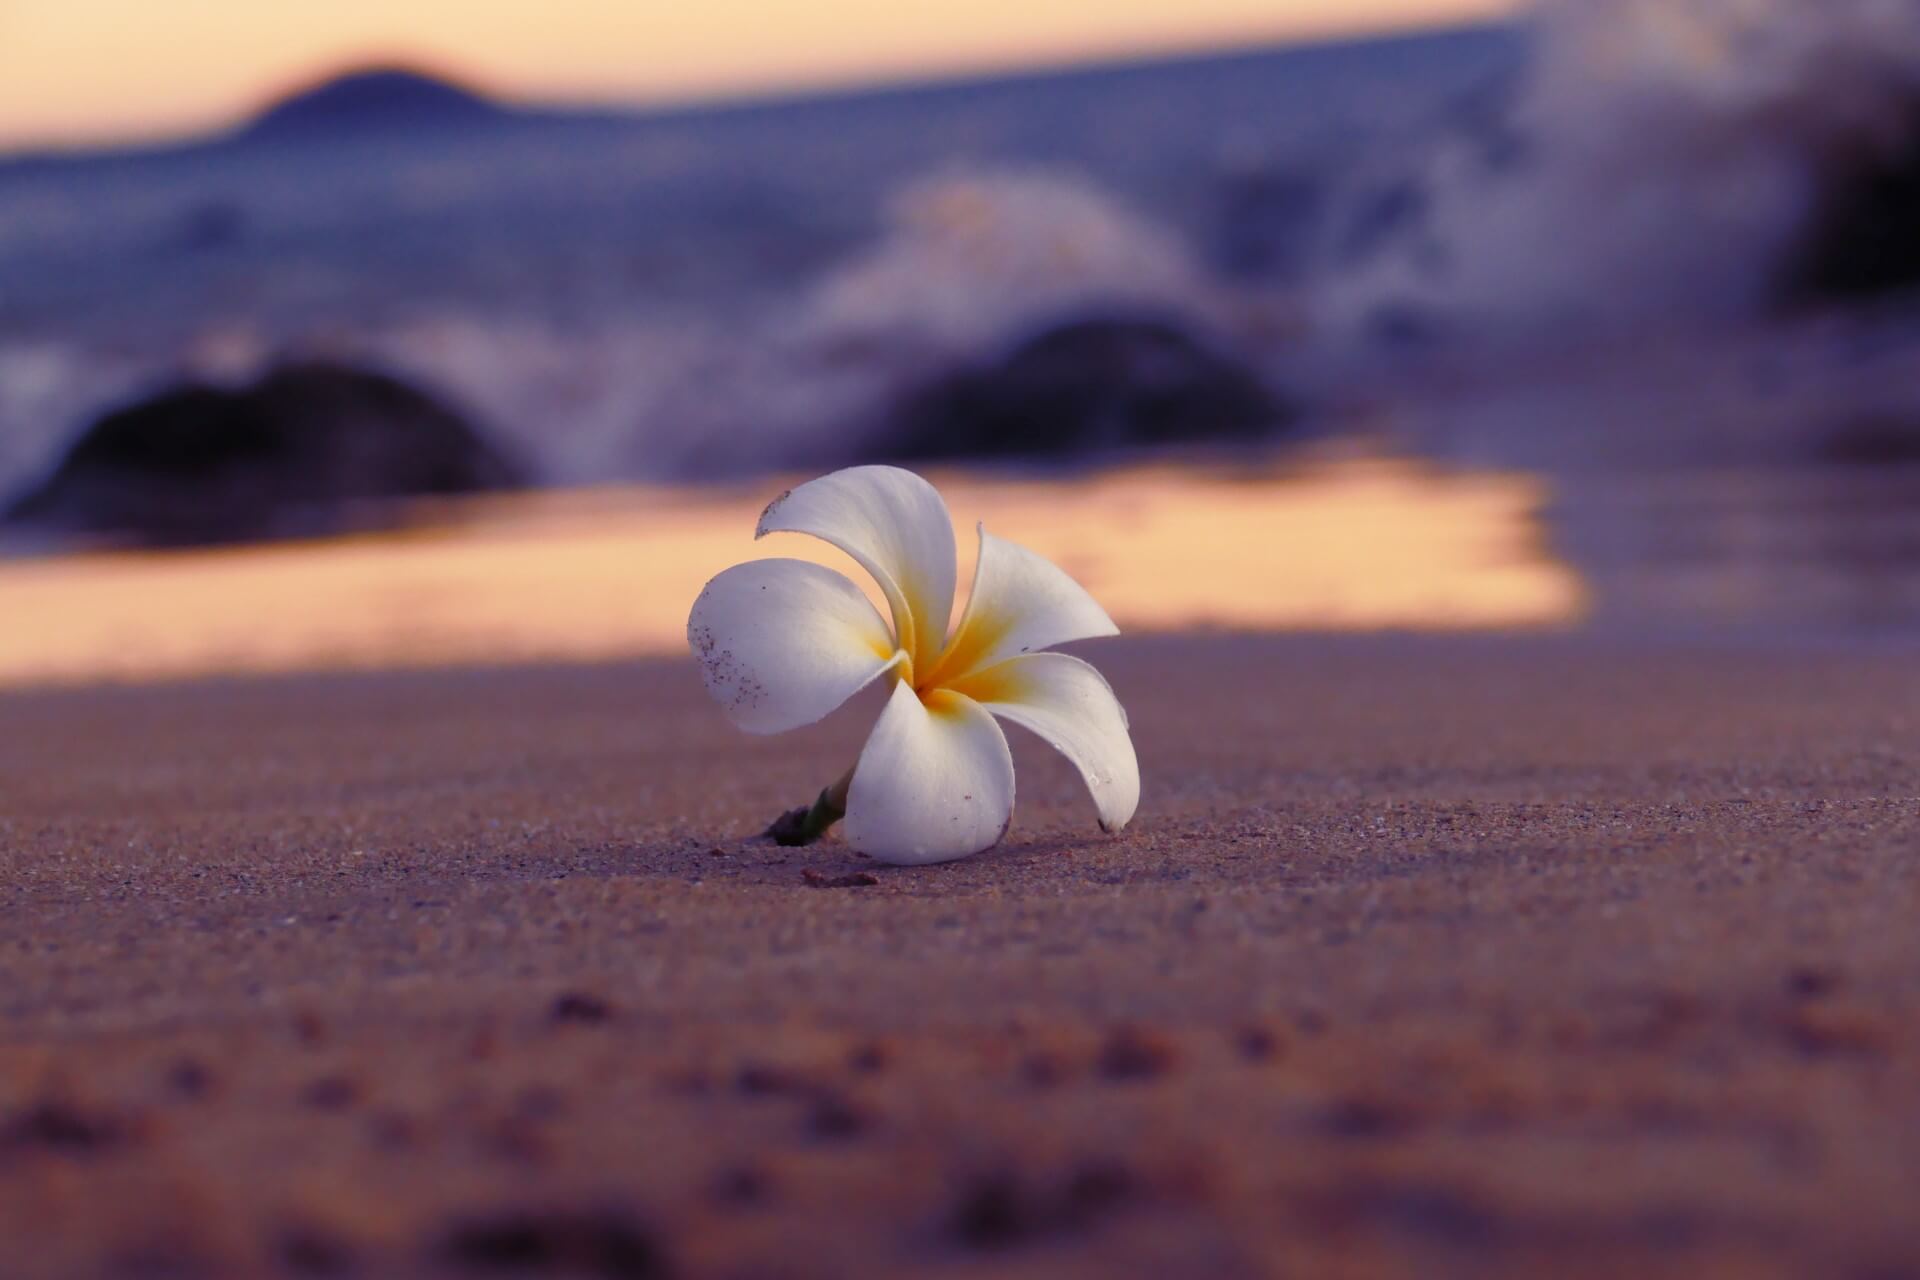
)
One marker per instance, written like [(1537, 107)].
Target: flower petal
[(1021, 602), (934, 782), (896, 525), (783, 642), (1071, 705)]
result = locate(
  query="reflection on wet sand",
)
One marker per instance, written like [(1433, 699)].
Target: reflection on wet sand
[(1826, 548), (1341, 543)]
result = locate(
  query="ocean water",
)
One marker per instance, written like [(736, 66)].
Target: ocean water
[(1572, 248), (641, 298)]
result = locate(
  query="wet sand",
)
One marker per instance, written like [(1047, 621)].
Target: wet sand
[(1462, 956)]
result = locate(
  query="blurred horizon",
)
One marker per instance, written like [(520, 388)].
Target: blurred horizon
[(237, 59)]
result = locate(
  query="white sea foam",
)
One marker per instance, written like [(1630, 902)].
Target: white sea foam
[(967, 263), (1671, 153), (970, 257)]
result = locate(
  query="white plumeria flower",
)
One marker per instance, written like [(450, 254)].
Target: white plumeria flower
[(784, 642)]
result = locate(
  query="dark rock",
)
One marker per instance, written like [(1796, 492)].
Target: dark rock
[(1082, 387), (1863, 238), (374, 100), (1874, 440), (288, 456)]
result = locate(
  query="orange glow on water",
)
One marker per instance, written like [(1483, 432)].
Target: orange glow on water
[(1347, 544)]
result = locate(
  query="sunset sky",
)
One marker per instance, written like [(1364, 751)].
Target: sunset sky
[(74, 70)]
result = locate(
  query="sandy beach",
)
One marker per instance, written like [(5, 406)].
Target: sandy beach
[(1425, 956), (1492, 426)]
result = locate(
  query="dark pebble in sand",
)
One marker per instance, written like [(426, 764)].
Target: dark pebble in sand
[(594, 1243), (1823, 1031), (578, 1006), (1043, 1070), (999, 1210), (1807, 983), (539, 1102), (693, 1082), (311, 1029), (160, 1259), (1364, 1118), (331, 1093), (1094, 1188), (993, 1213), (836, 1118), (870, 1058), (308, 1251), (518, 1144), (1420, 1211), (854, 880), (189, 1079), (1132, 1053), (393, 1130), (766, 1080), (742, 1186), (1879, 440), (64, 1127), (1257, 1044)]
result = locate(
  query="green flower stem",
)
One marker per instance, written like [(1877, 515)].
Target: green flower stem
[(809, 822)]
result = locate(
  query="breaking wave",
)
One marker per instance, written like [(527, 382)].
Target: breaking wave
[(1685, 159)]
